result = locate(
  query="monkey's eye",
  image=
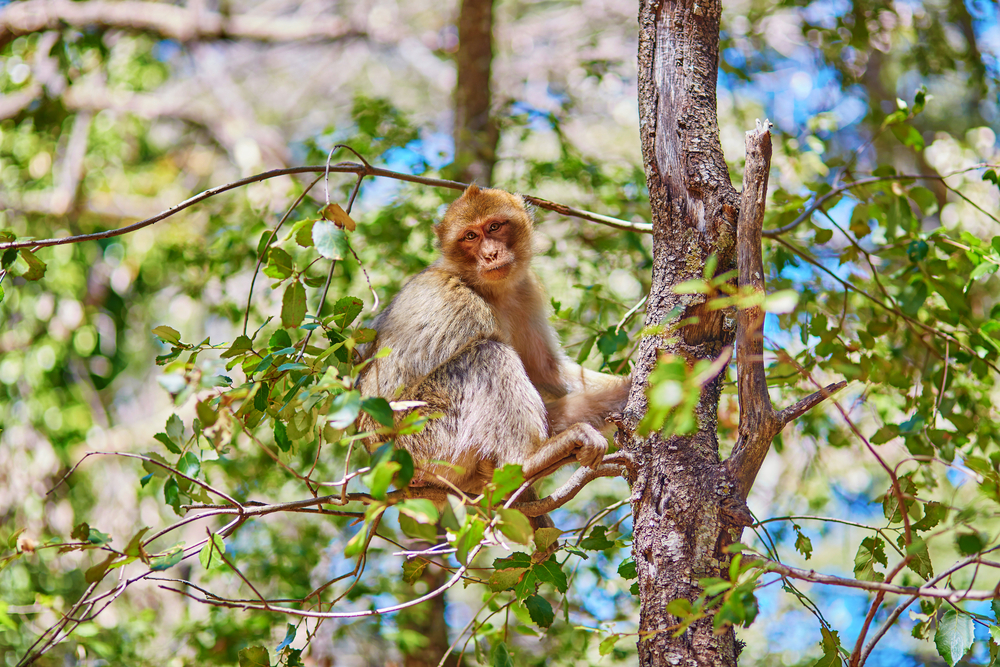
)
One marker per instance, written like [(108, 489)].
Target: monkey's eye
[(495, 226), (469, 236)]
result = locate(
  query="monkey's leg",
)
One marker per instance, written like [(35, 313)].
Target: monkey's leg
[(491, 414)]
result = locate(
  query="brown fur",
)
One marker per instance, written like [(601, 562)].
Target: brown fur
[(470, 337)]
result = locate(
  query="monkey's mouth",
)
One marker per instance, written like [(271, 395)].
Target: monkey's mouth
[(499, 271)]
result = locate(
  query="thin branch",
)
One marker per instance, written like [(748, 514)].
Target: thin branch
[(343, 168), (949, 594), (168, 21)]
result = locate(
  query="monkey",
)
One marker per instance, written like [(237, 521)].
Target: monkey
[(470, 339)]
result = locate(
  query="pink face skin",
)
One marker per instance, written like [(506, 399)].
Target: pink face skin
[(487, 242)]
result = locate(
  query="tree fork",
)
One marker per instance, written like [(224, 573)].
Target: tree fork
[(687, 506)]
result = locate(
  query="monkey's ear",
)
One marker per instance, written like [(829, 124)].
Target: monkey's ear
[(471, 191)]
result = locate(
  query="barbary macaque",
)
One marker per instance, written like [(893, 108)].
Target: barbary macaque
[(470, 338)]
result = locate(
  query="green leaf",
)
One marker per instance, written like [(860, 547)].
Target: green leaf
[(418, 531), (500, 656), (281, 436), (544, 537), (610, 342), (412, 569), (406, 467), (96, 572), (803, 544), (970, 543), (954, 636), (540, 610), (517, 559), (469, 536), (627, 569), (168, 558), (175, 428), (330, 241), (379, 410), (303, 232), (255, 656), (859, 221), (597, 540), (831, 649), (346, 310), (293, 305), (36, 267), (693, 287), (344, 410), (260, 397), (607, 645), (884, 434), (515, 525), (206, 413), (279, 264), (890, 501), (984, 269), (133, 548), (172, 494), (507, 479), (380, 477), (240, 346), (167, 334), (681, 608), (279, 340), (167, 442), (210, 555), (920, 558), (551, 572), (420, 510), (870, 551), (822, 236), (504, 580), (189, 465)]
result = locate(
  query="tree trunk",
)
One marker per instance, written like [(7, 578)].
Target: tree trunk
[(684, 501), (475, 130)]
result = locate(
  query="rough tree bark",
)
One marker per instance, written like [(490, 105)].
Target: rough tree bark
[(475, 129), (687, 505)]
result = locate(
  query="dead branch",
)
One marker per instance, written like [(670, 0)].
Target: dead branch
[(170, 21), (759, 422)]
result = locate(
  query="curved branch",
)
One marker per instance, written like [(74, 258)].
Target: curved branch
[(612, 467), (169, 21), (342, 168)]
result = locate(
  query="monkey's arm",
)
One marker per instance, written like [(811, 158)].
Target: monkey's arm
[(590, 397), (581, 441)]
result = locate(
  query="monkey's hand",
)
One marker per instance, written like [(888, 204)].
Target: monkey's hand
[(582, 441)]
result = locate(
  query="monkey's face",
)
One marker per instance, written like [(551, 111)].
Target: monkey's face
[(486, 236), (487, 245)]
